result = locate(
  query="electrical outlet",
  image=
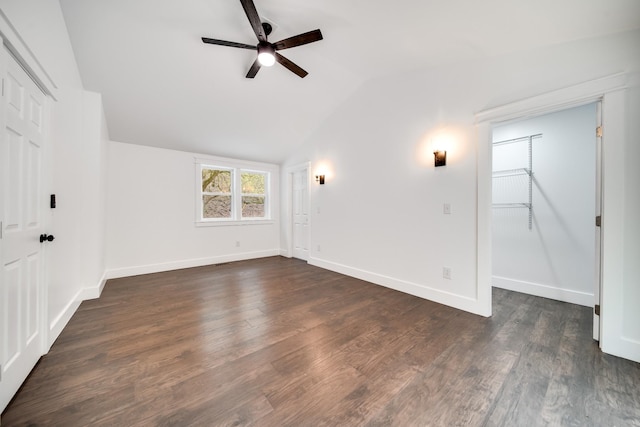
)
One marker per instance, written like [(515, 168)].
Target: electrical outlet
[(318, 248), (446, 209), (446, 273), (237, 243)]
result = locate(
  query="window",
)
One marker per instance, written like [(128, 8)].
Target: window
[(217, 198), (232, 194), (254, 194)]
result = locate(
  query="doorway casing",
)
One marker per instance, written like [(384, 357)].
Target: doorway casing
[(610, 92), (14, 47)]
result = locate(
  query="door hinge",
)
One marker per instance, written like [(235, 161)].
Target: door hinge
[(599, 132), (596, 309), (598, 221)]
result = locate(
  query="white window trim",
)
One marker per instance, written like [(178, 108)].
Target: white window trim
[(237, 167)]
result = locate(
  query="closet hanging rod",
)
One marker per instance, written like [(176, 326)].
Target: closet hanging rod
[(522, 138)]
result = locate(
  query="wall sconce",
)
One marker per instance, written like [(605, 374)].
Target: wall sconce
[(320, 179), (440, 158)]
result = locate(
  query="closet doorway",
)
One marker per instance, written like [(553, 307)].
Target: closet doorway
[(546, 197), (23, 312)]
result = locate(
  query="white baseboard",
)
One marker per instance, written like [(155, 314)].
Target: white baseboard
[(94, 291), (188, 263), (442, 297), (559, 294), (285, 253), (60, 321)]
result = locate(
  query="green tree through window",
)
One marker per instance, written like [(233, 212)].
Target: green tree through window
[(253, 194), (233, 194), (217, 198)]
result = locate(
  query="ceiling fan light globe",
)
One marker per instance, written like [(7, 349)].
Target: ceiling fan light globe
[(266, 59)]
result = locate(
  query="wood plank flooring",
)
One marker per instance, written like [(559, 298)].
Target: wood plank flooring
[(276, 342)]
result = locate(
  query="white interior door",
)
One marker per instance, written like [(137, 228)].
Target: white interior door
[(21, 205), (300, 213)]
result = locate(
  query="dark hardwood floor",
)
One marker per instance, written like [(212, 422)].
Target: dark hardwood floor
[(276, 342)]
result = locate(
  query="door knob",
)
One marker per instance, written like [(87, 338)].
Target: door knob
[(48, 238)]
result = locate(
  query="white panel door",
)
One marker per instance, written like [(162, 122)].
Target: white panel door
[(300, 207), (21, 120)]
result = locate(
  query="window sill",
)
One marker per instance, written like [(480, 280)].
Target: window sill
[(234, 223)]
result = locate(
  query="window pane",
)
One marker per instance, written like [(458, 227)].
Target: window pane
[(216, 206), (252, 207), (216, 181), (253, 183)]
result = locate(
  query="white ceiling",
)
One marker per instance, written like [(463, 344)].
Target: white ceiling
[(163, 87)]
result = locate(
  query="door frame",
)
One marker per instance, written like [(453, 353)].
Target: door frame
[(290, 171), (30, 350), (16, 47), (609, 92), (592, 297), (598, 229)]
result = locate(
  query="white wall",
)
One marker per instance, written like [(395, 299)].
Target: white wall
[(556, 258), (77, 137), (151, 202), (93, 187), (381, 210)]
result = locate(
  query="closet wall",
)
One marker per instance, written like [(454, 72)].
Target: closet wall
[(549, 249)]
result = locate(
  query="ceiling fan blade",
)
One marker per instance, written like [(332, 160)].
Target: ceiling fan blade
[(254, 19), (290, 65), (227, 43), (254, 69), (300, 39)]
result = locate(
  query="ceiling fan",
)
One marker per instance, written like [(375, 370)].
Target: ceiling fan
[(267, 54)]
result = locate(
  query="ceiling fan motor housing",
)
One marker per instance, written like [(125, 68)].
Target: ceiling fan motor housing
[(267, 28)]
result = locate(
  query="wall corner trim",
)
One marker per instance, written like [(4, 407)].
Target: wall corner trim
[(285, 253), (93, 292)]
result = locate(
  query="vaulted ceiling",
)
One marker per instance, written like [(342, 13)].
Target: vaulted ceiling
[(163, 87)]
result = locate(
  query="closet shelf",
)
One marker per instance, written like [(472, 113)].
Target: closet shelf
[(511, 172), (512, 205), (528, 172)]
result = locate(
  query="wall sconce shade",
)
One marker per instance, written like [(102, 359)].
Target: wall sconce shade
[(440, 158), (320, 179)]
